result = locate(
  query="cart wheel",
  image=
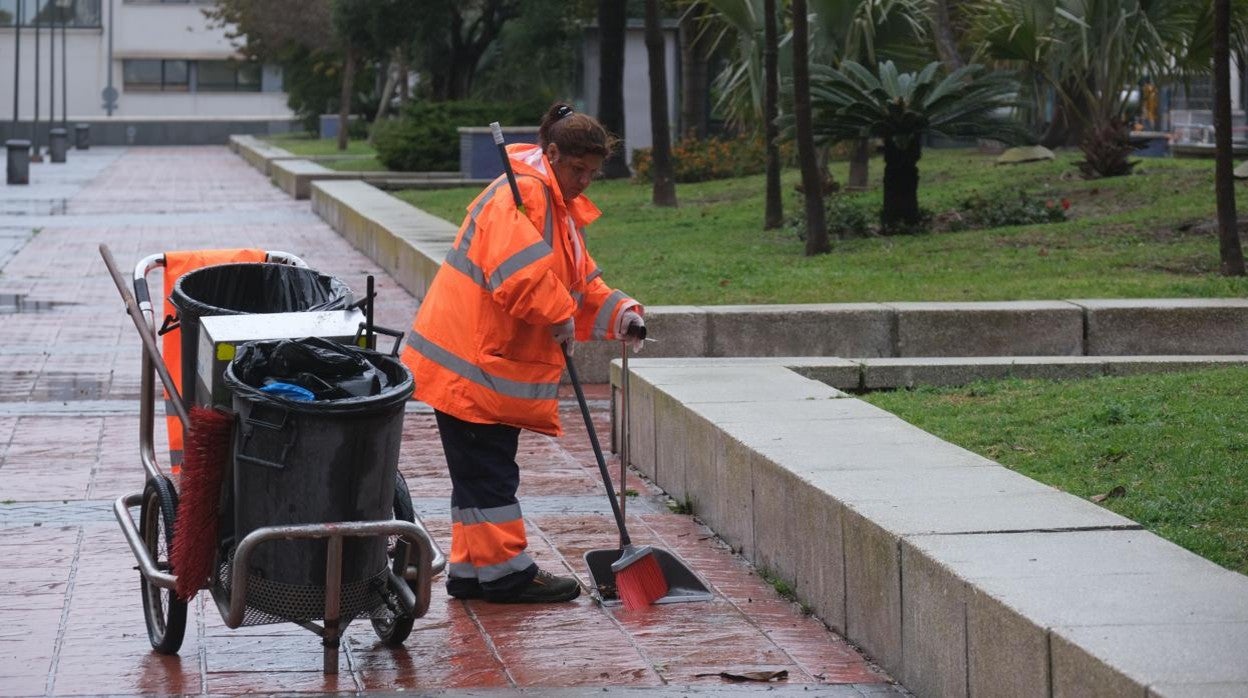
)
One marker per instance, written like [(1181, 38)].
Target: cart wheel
[(393, 628), (164, 613)]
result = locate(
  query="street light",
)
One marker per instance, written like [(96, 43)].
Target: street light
[(35, 156), (64, 5)]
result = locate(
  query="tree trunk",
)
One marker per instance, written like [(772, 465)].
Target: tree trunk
[(901, 185), (405, 70), (812, 184), (773, 217), (664, 192), (1229, 248), (694, 67), (612, 18), (387, 90), (344, 101), (859, 163), (946, 38)]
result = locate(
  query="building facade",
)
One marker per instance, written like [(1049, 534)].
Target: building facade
[(155, 70)]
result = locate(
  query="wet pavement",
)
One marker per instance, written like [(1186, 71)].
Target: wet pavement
[(71, 619)]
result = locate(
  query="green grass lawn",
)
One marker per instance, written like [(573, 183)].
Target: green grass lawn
[(1175, 443), (1127, 237), (311, 146)]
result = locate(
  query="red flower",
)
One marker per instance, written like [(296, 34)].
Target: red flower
[(1065, 204)]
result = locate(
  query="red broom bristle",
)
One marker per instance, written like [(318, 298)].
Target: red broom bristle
[(641, 583), (195, 528)]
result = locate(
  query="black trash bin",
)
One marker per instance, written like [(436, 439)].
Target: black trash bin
[(329, 459), (244, 289)]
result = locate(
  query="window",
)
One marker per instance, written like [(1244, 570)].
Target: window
[(227, 76), (78, 14), (155, 76)]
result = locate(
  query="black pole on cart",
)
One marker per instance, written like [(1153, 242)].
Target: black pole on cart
[(370, 336)]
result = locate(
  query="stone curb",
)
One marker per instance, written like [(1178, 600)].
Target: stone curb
[(258, 153), (1066, 329), (959, 576)]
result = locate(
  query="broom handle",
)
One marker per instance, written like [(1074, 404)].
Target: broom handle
[(623, 427), (625, 541), (497, 131), (149, 344)]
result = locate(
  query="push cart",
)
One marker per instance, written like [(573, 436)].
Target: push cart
[(392, 597)]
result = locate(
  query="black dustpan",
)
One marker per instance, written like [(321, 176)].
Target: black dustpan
[(682, 583)]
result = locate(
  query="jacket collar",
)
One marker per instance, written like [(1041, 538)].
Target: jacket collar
[(528, 159)]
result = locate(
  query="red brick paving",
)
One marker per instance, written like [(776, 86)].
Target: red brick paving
[(70, 615)]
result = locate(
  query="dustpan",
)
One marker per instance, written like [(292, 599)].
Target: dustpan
[(682, 583)]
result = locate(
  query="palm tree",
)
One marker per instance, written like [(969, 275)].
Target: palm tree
[(612, 21), (812, 181), (664, 191), (773, 216), (900, 108), (1230, 251)]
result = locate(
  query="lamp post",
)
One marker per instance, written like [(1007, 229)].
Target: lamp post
[(18, 17), (35, 156), (58, 137), (65, 6)]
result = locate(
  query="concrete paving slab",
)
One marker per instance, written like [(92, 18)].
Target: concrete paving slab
[(738, 384), (1014, 328), (1126, 659)]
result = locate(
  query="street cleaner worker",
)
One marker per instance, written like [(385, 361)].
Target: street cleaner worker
[(485, 346)]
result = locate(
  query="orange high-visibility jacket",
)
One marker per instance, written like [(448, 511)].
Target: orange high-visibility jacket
[(480, 347)]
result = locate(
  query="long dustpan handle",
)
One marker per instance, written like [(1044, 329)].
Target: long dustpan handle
[(625, 541)]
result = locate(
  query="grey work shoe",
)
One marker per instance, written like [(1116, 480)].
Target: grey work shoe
[(545, 588)]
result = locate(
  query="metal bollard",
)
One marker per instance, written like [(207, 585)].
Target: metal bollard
[(58, 143), (82, 136), (18, 170)]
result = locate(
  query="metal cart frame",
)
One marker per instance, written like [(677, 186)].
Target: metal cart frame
[(415, 557)]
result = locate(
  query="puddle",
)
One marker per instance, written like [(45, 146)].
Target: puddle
[(17, 303)]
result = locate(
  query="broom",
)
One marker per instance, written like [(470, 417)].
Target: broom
[(195, 528), (639, 579)]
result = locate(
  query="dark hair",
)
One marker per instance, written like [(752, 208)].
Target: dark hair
[(576, 134)]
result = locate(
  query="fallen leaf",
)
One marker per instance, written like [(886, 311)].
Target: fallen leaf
[(1117, 491), (764, 676)]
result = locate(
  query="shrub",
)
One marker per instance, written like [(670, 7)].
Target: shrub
[(846, 218), (1002, 209), (425, 138), (701, 160)]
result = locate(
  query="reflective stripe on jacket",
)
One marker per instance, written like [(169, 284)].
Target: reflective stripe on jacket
[(480, 347)]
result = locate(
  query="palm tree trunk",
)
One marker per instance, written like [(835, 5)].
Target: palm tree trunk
[(612, 18), (812, 184), (1229, 248), (387, 91), (943, 33), (773, 217), (901, 185), (694, 66), (344, 101), (859, 162), (664, 192)]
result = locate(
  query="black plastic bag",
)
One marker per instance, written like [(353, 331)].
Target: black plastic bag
[(331, 371)]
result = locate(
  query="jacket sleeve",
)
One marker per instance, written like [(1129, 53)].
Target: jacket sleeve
[(514, 258), (602, 308)]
